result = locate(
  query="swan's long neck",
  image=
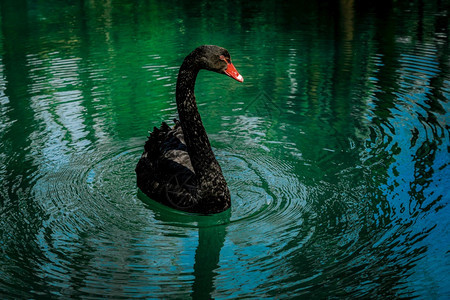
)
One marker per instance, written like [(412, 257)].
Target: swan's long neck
[(211, 183)]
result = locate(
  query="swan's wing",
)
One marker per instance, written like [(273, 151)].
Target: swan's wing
[(174, 148), (165, 171)]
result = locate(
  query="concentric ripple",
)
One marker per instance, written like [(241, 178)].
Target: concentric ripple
[(95, 220)]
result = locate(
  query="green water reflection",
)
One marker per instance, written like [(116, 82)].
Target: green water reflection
[(335, 149)]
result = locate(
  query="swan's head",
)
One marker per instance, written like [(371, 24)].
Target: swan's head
[(217, 59)]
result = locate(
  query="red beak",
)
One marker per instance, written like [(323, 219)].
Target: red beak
[(233, 73)]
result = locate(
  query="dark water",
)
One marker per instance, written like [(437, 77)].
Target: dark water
[(335, 149)]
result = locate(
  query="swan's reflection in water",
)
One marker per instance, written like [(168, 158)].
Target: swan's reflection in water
[(210, 242), (211, 238)]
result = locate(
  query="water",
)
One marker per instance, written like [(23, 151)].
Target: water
[(335, 149)]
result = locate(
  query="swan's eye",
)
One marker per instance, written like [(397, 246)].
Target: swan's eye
[(226, 59)]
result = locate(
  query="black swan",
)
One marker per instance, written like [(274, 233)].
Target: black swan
[(178, 167)]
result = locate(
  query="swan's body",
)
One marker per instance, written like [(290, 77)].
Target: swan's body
[(178, 167)]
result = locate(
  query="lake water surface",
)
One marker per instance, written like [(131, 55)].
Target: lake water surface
[(335, 149)]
